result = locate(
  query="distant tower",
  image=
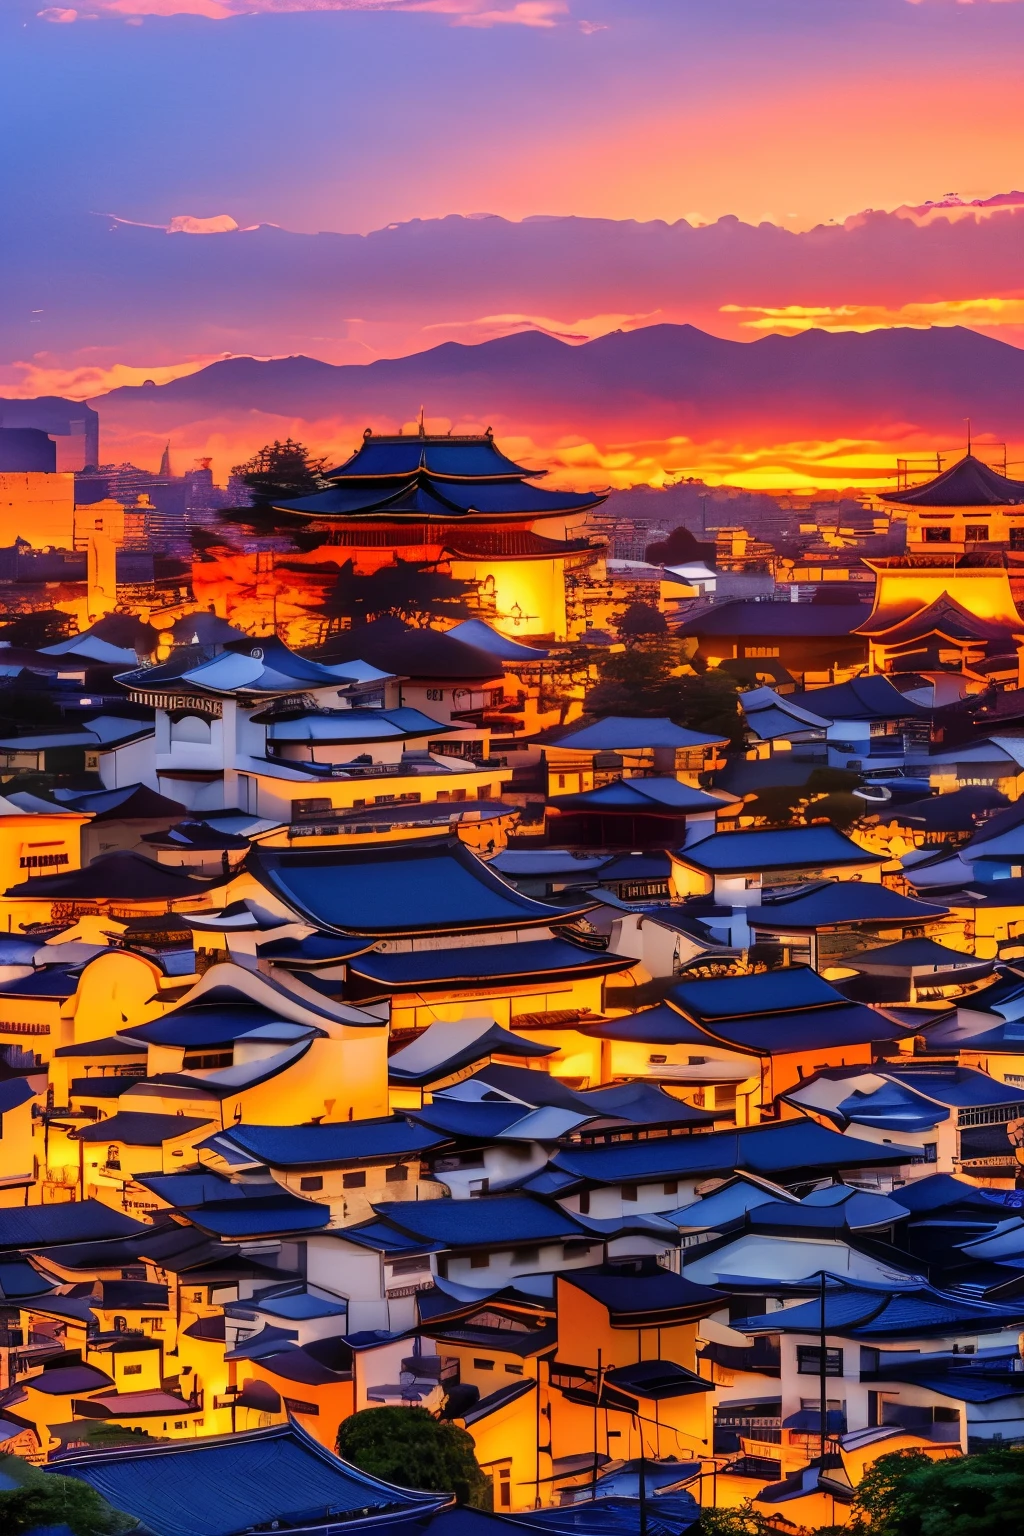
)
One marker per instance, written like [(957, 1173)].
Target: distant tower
[(165, 463)]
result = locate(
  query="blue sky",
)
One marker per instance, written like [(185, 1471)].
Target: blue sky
[(794, 110)]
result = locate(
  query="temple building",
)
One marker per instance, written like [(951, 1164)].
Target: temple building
[(459, 504), (967, 506), (949, 604)]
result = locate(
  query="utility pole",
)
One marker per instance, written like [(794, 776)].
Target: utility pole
[(643, 1479), (822, 1374), (597, 1409)]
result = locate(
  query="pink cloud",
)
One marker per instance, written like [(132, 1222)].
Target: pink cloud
[(462, 13)]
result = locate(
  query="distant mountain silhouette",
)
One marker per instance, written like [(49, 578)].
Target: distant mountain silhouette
[(661, 380)]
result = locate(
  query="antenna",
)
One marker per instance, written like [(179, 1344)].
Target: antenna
[(422, 432), (968, 421)]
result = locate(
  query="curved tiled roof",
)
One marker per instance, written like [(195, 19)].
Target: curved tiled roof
[(970, 483)]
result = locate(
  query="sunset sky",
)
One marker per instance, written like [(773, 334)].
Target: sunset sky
[(347, 116), (354, 115)]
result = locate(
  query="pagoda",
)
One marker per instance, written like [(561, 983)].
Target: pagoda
[(460, 505), (950, 603)]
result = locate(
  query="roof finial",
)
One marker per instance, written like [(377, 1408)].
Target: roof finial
[(968, 421), (422, 430)]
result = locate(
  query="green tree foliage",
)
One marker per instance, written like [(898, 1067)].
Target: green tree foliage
[(908, 1494), (639, 681), (412, 590), (742, 1520), (44, 1499), (280, 471), (410, 1447)]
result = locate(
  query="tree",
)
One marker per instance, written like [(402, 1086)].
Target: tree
[(413, 590), (47, 1500), (640, 622), (409, 1446), (280, 471), (680, 548), (35, 630), (908, 1494), (742, 1520), (640, 681)]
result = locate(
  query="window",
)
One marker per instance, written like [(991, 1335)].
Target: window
[(399, 1174), (671, 1186), (527, 1255), (931, 1151), (976, 533), (197, 1295), (209, 1059), (154, 1324), (513, 1370), (410, 1267), (483, 1365), (120, 1324), (435, 695), (629, 1192), (808, 1360), (585, 1203), (937, 535), (760, 650), (503, 1488), (311, 1181), (133, 1370), (479, 1261), (575, 1248), (354, 1180), (316, 807)]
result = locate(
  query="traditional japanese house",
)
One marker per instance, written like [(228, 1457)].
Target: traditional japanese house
[(823, 922), (732, 871), (648, 813), (585, 758), (957, 1114), (817, 643), (444, 938), (757, 1035)]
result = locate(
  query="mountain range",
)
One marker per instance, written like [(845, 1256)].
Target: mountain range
[(661, 389)]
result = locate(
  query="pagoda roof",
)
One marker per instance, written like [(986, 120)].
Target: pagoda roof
[(970, 483), (421, 497), (745, 616), (229, 1483), (727, 853), (382, 457), (483, 637), (401, 651), (121, 875), (627, 733), (263, 666), (436, 885), (944, 616), (658, 796)]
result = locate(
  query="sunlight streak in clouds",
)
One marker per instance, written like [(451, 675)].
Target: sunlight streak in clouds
[(978, 314)]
